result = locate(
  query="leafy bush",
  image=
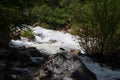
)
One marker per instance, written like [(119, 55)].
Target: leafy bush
[(54, 17), (12, 13), (99, 21)]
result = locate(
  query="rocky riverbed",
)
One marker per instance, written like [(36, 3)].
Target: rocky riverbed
[(51, 55), (30, 64)]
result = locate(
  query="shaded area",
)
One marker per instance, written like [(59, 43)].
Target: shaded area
[(28, 63)]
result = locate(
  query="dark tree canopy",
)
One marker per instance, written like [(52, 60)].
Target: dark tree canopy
[(12, 12)]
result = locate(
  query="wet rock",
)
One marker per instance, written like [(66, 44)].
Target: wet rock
[(4, 53), (59, 67), (16, 35), (15, 75), (27, 56), (52, 41), (62, 49), (4, 39), (21, 64), (15, 72), (75, 52), (29, 64)]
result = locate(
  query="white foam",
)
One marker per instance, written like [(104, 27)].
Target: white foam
[(44, 36)]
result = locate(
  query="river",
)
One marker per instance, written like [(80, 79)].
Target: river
[(44, 43)]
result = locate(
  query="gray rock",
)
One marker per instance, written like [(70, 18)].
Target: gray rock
[(30, 64), (59, 67)]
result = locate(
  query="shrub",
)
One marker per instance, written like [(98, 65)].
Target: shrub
[(99, 21), (53, 17)]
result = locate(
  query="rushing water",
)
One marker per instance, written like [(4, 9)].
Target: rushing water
[(42, 42), (102, 73)]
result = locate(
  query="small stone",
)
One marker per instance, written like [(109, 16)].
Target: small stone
[(52, 41), (75, 51), (14, 77), (62, 49)]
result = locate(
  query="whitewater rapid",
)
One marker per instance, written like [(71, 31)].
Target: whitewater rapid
[(43, 43)]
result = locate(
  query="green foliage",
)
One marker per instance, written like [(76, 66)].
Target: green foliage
[(54, 17), (53, 13), (96, 21), (28, 34), (99, 21), (12, 13)]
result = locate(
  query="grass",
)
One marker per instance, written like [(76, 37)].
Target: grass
[(28, 34)]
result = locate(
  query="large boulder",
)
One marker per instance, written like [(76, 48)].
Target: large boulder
[(27, 56), (59, 67)]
